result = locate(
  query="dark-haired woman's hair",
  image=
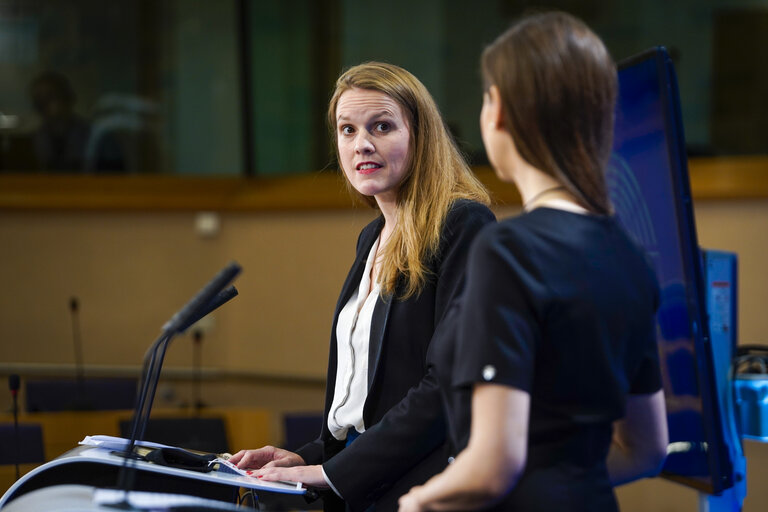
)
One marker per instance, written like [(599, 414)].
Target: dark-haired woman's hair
[(558, 89)]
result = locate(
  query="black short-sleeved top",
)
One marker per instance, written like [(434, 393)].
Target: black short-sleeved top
[(561, 306)]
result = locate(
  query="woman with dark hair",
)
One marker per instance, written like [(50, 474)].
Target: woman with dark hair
[(551, 381), (398, 156)]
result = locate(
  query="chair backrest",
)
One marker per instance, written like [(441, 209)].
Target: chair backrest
[(301, 428), (90, 394), (24, 447)]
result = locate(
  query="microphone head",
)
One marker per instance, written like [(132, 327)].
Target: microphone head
[(14, 382), (74, 304)]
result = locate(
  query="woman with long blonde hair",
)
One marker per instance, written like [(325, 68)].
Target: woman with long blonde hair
[(397, 155)]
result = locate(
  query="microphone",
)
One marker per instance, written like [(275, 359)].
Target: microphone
[(14, 383), (74, 306), (195, 308), (219, 300)]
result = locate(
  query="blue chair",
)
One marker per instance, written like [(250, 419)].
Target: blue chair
[(90, 394), (301, 428), (24, 448)]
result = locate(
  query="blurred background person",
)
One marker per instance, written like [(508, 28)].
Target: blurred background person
[(62, 140)]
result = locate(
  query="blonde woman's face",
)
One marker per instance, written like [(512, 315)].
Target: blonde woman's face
[(373, 138)]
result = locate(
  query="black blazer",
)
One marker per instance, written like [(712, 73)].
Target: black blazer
[(403, 444)]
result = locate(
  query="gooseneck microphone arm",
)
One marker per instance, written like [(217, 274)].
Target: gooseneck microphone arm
[(147, 374), (154, 377), (126, 478)]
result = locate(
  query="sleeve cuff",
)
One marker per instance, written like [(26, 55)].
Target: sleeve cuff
[(330, 484)]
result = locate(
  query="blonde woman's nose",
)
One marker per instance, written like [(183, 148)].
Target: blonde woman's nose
[(363, 143)]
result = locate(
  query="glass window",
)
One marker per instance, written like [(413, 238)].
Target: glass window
[(240, 87), (125, 86)]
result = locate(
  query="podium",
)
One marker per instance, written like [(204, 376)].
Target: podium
[(85, 498), (98, 467)]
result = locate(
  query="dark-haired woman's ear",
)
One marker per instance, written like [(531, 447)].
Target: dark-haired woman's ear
[(497, 140), (491, 115), (492, 102)]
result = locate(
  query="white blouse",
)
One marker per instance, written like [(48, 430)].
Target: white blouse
[(353, 332)]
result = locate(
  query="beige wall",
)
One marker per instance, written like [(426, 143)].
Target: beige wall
[(742, 227), (131, 271)]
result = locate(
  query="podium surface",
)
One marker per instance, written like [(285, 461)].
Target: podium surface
[(99, 468)]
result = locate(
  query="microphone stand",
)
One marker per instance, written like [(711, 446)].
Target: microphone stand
[(197, 400), (13, 382), (74, 307)]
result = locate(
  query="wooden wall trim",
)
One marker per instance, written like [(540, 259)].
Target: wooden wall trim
[(144, 192), (731, 178)]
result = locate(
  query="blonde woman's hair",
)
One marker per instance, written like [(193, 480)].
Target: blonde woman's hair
[(437, 175)]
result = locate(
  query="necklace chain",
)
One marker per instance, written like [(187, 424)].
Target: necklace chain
[(542, 193)]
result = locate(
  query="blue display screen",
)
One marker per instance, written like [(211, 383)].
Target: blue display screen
[(648, 184)]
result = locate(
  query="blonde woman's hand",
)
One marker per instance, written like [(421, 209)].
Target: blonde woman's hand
[(266, 457), (311, 476)]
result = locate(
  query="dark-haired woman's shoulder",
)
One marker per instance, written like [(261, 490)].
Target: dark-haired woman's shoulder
[(513, 239), (506, 228)]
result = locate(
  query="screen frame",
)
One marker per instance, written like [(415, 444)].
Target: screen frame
[(718, 456)]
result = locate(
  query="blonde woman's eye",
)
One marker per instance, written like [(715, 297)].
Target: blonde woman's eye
[(382, 127), (346, 130)]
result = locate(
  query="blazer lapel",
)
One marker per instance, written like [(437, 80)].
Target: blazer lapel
[(378, 329), (367, 238)]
